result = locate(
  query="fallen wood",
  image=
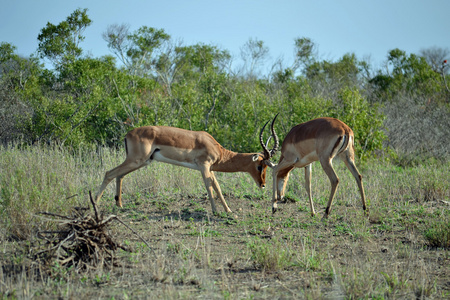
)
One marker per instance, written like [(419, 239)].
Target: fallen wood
[(81, 240)]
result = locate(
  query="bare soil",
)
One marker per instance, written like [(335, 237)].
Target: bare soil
[(195, 254)]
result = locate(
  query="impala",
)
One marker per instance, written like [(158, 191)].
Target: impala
[(196, 150), (321, 140)]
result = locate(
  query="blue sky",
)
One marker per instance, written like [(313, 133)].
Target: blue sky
[(368, 28)]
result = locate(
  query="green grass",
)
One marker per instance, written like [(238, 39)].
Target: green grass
[(437, 233), (270, 256), (399, 251)]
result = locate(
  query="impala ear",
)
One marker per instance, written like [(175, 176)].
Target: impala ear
[(255, 157)]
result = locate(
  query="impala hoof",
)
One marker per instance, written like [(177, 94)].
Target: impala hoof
[(366, 212), (118, 201), (274, 209)]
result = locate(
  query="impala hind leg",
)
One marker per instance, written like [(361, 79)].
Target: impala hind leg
[(334, 180), (350, 163), (308, 171), (118, 172)]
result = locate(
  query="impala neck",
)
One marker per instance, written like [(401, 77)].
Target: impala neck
[(233, 162)]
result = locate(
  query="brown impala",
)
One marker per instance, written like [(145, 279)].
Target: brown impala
[(196, 150), (321, 140)]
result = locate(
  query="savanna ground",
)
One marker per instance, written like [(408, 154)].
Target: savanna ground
[(401, 250)]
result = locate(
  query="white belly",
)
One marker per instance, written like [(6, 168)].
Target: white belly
[(157, 156), (306, 160)]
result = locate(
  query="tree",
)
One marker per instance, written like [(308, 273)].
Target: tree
[(434, 56), (328, 77), (305, 52), (6, 51), (19, 83), (168, 65), (366, 121), (253, 53), (137, 50), (60, 43), (408, 74), (117, 38), (91, 102), (201, 89)]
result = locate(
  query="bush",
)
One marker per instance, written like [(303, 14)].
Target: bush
[(438, 235), (270, 256), (365, 119), (417, 130)]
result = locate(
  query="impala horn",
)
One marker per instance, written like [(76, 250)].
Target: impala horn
[(269, 153)]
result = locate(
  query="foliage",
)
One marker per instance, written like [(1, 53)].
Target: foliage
[(270, 256), (346, 72), (438, 234), (85, 100), (387, 253), (365, 119), (60, 43), (136, 50), (409, 74), (55, 121), (19, 82)]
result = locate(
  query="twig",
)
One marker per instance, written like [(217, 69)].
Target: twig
[(71, 196), (108, 219), (57, 246), (54, 215), (82, 239), (54, 232), (95, 206), (120, 221), (64, 261)]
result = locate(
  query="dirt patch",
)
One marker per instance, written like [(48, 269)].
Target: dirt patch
[(250, 253)]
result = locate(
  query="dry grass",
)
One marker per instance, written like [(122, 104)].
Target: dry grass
[(250, 254)]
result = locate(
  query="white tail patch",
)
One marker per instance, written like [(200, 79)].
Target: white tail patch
[(340, 147)]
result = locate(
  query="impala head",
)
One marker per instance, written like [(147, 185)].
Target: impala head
[(262, 160), (258, 170)]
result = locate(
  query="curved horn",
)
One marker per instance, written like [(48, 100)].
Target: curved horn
[(268, 140), (266, 151), (275, 137), (269, 153)]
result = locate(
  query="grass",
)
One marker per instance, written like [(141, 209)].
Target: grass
[(437, 233), (270, 256), (402, 250)]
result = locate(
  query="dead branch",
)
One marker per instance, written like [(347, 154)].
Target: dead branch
[(81, 240)]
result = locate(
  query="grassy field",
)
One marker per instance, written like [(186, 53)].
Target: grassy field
[(401, 250)]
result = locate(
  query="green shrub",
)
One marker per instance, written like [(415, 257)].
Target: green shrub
[(364, 118), (438, 234), (270, 256)]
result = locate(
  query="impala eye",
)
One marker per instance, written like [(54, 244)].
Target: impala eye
[(260, 168)]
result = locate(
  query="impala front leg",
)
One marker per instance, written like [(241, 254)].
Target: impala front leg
[(216, 187), (280, 178), (274, 192), (208, 180)]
